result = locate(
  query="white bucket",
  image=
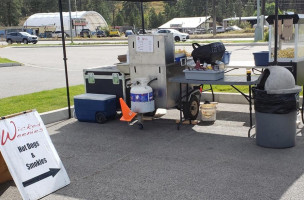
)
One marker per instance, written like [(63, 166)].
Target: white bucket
[(208, 112)]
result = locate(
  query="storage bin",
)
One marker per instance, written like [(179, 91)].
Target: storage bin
[(208, 75), (107, 80), (95, 107), (261, 58)]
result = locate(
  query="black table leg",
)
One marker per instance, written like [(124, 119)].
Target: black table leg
[(250, 110), (180, 106)]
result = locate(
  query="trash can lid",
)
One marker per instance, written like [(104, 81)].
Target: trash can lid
[(280, 81)]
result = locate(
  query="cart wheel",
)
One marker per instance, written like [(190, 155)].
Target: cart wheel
[(191, 108), (100, 118), (140, 126)]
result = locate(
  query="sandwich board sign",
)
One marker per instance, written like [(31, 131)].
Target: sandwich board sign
[(31, 156)]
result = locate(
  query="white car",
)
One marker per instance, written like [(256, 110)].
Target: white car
[(178, 36), (58, 34)]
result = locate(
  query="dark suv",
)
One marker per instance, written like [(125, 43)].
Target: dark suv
[(21, 37), (85, 33), (100, 34)]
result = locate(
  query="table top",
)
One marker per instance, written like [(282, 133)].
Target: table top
[(227, 80)]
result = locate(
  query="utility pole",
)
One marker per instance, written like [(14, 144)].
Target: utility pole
[(206, 15), (258, 33), (71, 25), (214, 17), (263, 7)]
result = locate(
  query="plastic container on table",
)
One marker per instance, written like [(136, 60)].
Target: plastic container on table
[(226, 57), (207, 75)]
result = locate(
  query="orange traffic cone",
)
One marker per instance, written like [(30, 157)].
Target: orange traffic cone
[(127, 114)]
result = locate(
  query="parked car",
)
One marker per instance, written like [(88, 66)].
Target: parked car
[(100, 34), (219, 29), (85, 33), (178, 36), (140, 31), (19, 37), (114, 33), (200, 31), (233, 28), (129, 32), (58, 34)]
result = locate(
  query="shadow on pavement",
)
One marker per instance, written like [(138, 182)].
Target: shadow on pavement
[(118, 161)]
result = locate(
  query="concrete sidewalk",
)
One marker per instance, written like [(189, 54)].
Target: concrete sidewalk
[(204, 161)]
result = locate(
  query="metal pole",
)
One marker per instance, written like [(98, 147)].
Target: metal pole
[(214, 17), (142, 17), (71, 25), (276, 33), (64, 57)]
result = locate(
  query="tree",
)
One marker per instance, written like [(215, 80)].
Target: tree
[(119, 20), (270, 9), (10, 12), (132, 15)]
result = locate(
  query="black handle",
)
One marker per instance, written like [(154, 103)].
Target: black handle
[(152, 81), (195, 44)]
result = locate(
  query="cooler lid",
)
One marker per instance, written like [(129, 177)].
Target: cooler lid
[(91, 96)]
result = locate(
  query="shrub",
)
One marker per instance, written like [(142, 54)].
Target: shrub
[(266, 35)]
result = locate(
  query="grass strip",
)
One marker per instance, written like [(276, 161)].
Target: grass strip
[(5, 60), (55, 99), (41, 101)]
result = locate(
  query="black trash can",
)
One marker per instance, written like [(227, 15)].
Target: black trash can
[(275, 103)]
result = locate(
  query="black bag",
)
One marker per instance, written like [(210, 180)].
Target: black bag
[(208, 53)]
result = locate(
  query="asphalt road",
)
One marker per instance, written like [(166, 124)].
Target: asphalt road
[(208, 161), (43, 67), (68, 40)]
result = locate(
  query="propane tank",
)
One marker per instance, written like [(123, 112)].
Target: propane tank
[(142, 100)]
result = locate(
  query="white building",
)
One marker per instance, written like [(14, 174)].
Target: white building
[(188, 24), (81, 20), (252, 20)]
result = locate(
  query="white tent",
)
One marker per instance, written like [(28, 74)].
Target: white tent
[(187, 23), (93, 19)]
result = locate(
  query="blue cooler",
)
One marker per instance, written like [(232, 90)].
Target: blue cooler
[(95, 107), (181, 58)]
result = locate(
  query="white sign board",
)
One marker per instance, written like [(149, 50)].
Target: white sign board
[(144, 43), (31, 156)]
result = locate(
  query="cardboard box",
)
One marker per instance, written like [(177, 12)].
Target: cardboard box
[(4, 173)]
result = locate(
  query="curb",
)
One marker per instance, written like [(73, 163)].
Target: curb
[(220, 97), (9, 64), (56, 115)]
